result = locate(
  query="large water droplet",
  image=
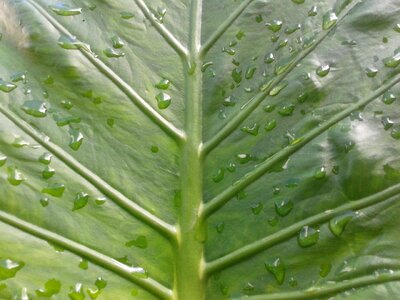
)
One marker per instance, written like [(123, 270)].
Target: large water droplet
[(81, 200), (278, 88), (76, 139), (54, 189), (323, 70), (51, 287), (163, 100), (308, 236), (338, 224), (237, 75), (283, 207), (9, 268), (101, 283), (45, 158), (14, 177), (48, 172), (276, 267), (320, 173), (113, 53), (371, 71), (286, 110), (390, 62), (117, 42), (387, 123), (269, 58), (139, 242), (250, 72), (329, 20), (65, 10), (275, 25), (313, 11), (388, 98), (270, 125), (163, 84), (7, 86), (35, 108), (76, 292), (251, 129)]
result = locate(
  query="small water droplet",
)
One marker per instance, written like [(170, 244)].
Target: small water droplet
[(76, 139), (313, 11), (286, 110), (240, 34), (163, 100), (320, 173), (323, 70), (154, 149), (9, 268), (259, 18), (45, 158), (101, 283), (113, 53), (7, 86), (93, 293), (283, 43), (19, 76), (81, 200), (191, 67), (387, 123), (269, 108), (273, 221), (278, 88), (220, 227), (54, 189), (48, 172), (229, 51), (290, 30), (293, 282), (163, 84), (390, 62), (230, 101), (371, 71), (14, 177), (275, 25), (139, 242), (35, 108), (250, 72), (219, 175), (397, 27), (237, 75), (51, 287), (100, 200), (338, 224), (298, 1), (276, 267), (65, 10), (283, 207), (76, 292), (270, 125), (248, 288), (67, 104), (257, 208), (161, 11), (3, 159), (395, 133), (243, 158), (251, 129), (83, 264), (205, 66), (110, 122), (308, 236), (44, 201), (324, 269), (126, 15), (117, 42), (231, 167), (329, 20), (269, 58), (388, 98), (19, 142)]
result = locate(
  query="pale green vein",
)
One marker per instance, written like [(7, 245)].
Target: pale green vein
[(135, 275), (124, 202), (224, 27), (287, 233), (283, 154), (142, 104), (254, 102), (329, 289), (167, 35)]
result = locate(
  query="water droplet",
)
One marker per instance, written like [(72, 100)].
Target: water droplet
[(126, 15), (117, 42), (324, 269), (65, 10), (45, 158), (76, 292), (329, 20), (9, 268), (251, 129), (395, 133), (278, 88), (273, 221), (286, 110), (248, 288), (259, 18), (237, 75), (7, 86), (35, 108), (240, 34), (191, 67), (219, 175), (385, 40), (161, 11), (269, 108), (282, 44), (14, 177), (154, 149), (275, 25), (19, 142), (276, 267), (163, 100), (283, 207), (206, 65), (83, 264), (338, 224), (308, 236), (388, 98), (81, 200), (257, 208), (313, 11), (290, 30), (113, 53), (48, 172), (220, 227), (51, 287), (19, 76), (270, 125), (371, 71), (67, 104), (3, 159), (44, 201), (93, 293), (101, 283), (100, 200), (229, 51), (269, 58), (163, 84), (69, 42), (54, 189), (250, 72), (390, 62), (293, 282), (139, 242), (298, 1), (76, 139), (231, 167), (230, 101), (320, 173), (62, 120), (386, 122), (243, 158), (323, 70)]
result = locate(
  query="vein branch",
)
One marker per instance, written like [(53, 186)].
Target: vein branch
[(124, 202), (96, 257), (221, 199), (287, 233), (331, 289), (163, 31), (224, 27), (254, 102), (131, 93)]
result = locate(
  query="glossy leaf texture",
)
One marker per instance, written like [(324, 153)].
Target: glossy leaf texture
[(199, 149)]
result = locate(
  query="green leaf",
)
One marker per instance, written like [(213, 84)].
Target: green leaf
[(191, 149)]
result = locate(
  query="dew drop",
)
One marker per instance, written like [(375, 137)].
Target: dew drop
[(35, 108), (7, 86), (219, 175), (113, 53), (388, 98), (81, 200), (276, 267), (76, 292), (270, 125), (65, 10), (117, 42), (19, 76), (243, 158), (83, 264), (54, 189), (286, 110), (324, 269), (205, 66), (323, 70), (67, 104), (269, 108), (257, 208), (308, 236), (163, 100), (282, 44), (19, 142), (229, 51), (275, 25), (163, 84), (237, 75), (100, 200), (320, 173), (44, 201), (51, 287), (220, 227), (298, 1), (45, 158), (251, 129), (278, 88), (259, 18), (101, 283), (93, 293), (386, 122), (250, 72), (9, 268), (231, 167), (139, 242), (371, 72), (313, 11), (269, 58), (230, 101), (338, 224), (14, 177), (126, 15), (48, 172), (390, 62), (3, 159), (76, 139), (283, 207), (293, 29), (396, 133), (329, 20)]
